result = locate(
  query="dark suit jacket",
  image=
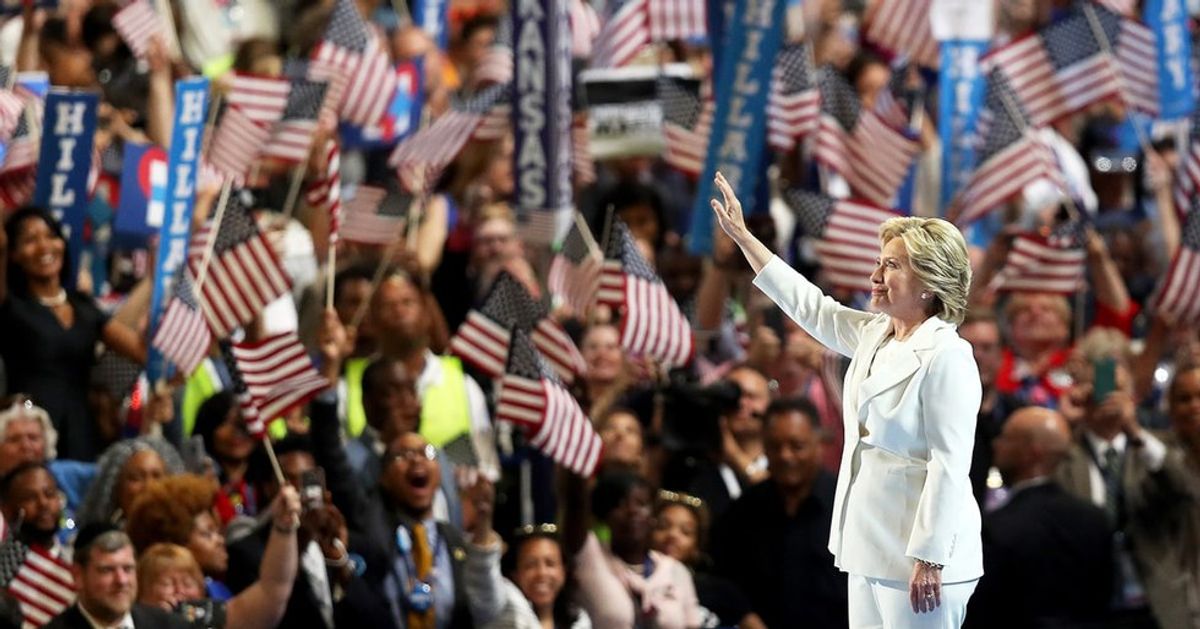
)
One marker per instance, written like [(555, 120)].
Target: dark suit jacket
[(1047, 562), (144, 617)]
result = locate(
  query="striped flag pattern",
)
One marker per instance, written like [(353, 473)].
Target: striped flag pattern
[(857, 143), (575, 271), (1178, 293), (794, 103), (350, 45), (236, 143), (366, 220), (244, 275), (1066, 66), (583, 167), (41, 584), (846, 233), (903, 27), (496, 65), (1120, 7), (1187, 180), (138, 24), (623, 35), (670, 20), (1055, 264), (291, 136), (1012, 156), (255, 424), (325, 192), (261, 99), (687, 121), (651, 323), (23, 148), (585, 27), (12, 105), (182, 335), (422, 156), (530, 396), (278, 374)]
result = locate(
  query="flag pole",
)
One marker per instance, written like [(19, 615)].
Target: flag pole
[(588, 238), (210, 123), (289, 205), (274, 461), (223, 201), (330, 271)]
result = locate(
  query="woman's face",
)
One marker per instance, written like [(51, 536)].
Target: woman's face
[(37, 250), (622, 437), (499, 173), (230, 439), (602, 352), (677, 534), (207, 544), (142, 468), (171, 587), (895, 289), (630, 521), (540, 573)]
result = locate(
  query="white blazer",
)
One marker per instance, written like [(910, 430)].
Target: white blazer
[(902, 492)]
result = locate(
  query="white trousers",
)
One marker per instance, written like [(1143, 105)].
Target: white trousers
[(883, 604)]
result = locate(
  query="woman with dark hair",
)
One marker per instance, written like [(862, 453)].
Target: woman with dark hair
[(219, 424), (625, 583), (50, 333)]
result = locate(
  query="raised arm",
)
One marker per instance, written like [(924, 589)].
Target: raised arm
[(262, 605)]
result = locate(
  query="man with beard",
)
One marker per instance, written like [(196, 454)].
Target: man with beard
[(31, 504)]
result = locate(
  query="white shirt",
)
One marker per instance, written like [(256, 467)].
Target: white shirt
[(1153, 453), (482, 437), (312, 561), (125, 623)]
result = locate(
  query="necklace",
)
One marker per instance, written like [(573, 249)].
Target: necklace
[(55, 301)]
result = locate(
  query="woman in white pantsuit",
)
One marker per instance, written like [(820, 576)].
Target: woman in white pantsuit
[(905, 525)]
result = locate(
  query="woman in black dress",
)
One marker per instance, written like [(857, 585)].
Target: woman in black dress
[(48, 334)]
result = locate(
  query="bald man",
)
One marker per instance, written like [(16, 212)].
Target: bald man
[(1047, 555)]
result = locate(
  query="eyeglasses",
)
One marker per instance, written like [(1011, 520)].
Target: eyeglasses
[(412, 455), (546, 529)]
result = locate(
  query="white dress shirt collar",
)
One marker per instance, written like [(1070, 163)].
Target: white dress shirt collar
[(125, 623)]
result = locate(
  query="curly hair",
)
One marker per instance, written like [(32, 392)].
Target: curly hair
[(100, 503), (166, 510)]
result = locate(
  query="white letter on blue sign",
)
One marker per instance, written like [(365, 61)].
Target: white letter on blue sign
[(59, 195), (70, 119)]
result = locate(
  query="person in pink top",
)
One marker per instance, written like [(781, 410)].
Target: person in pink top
[(623, 584)]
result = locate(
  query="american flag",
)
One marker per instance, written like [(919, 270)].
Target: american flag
[(671, 20), (623, 35), (903, 27), (16, 188), (585, 27), (794, 103), (895, 101), (243, 273), (651, 323), (429, 150), (1187, 181), (12, 106), (236, 143), (278, 374), (371, 219), (1012, 156), (182, 335), (496, 65), (138, 23), (42, 584), (23, 148), (582, 165), (1055, 263), (255, 424), (1066, 66), (687, 121), (575, 271), (350, 45), (846, 233), (1122, 7), (532, 397), (483, 338), (261, 99), (856, 142), (1178, 293), (325, 192), (291, 137), (333, 77)]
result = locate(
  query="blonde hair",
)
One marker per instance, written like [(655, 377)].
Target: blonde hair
[(164, 557), (1100, 343), (937, 254)]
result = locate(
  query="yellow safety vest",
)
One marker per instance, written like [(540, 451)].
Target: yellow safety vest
[(445, 412), (201, 385), (356, 416)]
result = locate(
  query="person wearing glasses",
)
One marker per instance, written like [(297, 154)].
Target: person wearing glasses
[(906, 527)]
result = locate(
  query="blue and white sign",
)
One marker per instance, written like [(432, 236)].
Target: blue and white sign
[(430, 15), (143, 194), (1176, 78), (66, 159), (191, 99), (961, 87), (737, 143)]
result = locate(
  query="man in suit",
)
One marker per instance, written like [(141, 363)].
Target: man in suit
[(1132, 475), (105, 575), (1047, 555), (772, 540)]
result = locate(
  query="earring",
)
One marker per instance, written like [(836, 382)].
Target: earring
[(924, 295)]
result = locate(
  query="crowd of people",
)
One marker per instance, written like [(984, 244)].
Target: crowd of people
[(394, 499)]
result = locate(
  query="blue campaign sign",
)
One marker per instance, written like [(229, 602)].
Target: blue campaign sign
[(66, 159), (15, 7), (1169, 21), (960, 87), (737, 143), (139, 213), (430, 15), (401, 118), (191, 98)]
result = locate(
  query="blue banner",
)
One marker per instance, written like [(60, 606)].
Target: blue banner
[(1169, 21), (139, 213), (542, 118), (960, 89), (66, 159), (737, 143), (191, 99), (401, 118), (430, 15)]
